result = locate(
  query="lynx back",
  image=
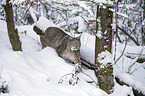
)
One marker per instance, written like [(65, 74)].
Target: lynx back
[(66, 46)]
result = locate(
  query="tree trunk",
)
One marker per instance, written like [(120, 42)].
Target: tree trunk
[(143, 9), (143, 26), (12, 32), (104, 75)]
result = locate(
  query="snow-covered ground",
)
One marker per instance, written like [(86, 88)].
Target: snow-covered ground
[(36, 72)]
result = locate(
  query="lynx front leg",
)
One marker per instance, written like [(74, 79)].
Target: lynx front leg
[(43, 42), (77, 58), (77, 61)]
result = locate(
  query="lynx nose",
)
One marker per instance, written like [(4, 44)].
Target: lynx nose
[(73, 48)]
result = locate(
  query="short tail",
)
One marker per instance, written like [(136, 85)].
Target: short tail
[(38, 31)]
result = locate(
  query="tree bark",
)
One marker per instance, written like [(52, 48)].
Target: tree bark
[(12, 32), (143, 26), (104, 75)]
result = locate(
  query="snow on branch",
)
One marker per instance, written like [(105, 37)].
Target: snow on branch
[(130, 81), (43, 23), (100, 2), (118, 13)]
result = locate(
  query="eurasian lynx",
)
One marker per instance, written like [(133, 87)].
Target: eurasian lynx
[(66, 46)]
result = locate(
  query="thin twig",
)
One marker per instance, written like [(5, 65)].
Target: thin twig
[(90, 77), (121, 53), (60, 81), (88, 25), (24, 15), (116, 18), (137, 43), (134, 62), (135, 70)]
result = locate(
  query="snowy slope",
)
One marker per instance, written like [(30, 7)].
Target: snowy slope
[(36, 72)]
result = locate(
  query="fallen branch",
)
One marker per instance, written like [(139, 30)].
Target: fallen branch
[(140, 59), (87, 64), (128, 80), (136, 92)]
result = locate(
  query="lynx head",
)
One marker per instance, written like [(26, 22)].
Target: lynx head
[(74, 44)]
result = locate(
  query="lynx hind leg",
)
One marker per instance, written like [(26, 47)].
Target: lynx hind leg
[(43, 42)]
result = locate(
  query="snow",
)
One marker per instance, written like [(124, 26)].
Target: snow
[(125, 91), (143, 22), (31, 42), (104, 1), (89, 45), (45, 24), (118, 13), (36, 72), (134, 76), (124, 63), (105, 58), (128, 6), (83, 4), (33, 14), (99, 34), (125, 77), (3, 2), (124, 15)]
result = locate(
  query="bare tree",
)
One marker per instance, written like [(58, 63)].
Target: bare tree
[(12, 31)]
